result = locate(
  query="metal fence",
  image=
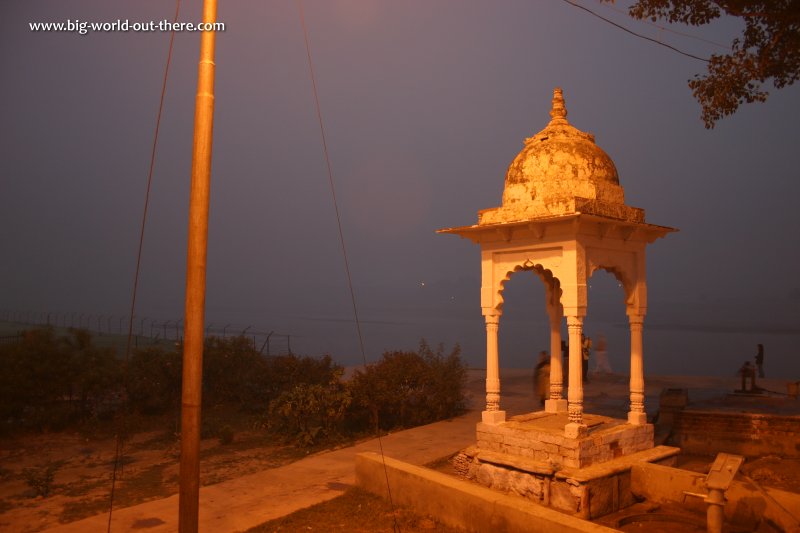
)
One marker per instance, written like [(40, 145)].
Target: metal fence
[(266, 342)]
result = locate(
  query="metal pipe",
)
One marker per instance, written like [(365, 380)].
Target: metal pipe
[(715, 512), (191, 393)]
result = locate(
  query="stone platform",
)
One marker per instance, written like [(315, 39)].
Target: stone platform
[(588, 476), (540, 436)]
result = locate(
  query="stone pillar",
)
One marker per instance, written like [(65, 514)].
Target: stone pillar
[(575, 428), (556, 403), (492, 414), (637, 414)]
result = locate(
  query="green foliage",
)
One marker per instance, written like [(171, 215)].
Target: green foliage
[(286, 371), (40, 478), (52, 382), (768, 48), (154, 380), (49, 381), (411, 388), (97, 374), (233, 373), (310, 412), (226, 434)]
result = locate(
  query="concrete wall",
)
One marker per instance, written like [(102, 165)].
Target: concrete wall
[(710, 432), (748, 504), (460, 503)]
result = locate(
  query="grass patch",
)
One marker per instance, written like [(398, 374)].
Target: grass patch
[(149, 484), (84, 508), (85, 484), (356, 511)]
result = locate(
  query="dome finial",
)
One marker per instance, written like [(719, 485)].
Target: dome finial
[(559, 110)]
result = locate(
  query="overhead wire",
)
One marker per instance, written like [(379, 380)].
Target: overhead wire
[(670, 30), (341, 235), (118, 453), (623, 28)]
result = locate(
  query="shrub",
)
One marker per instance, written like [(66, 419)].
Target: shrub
[(310, 413), (97, 374), (154, 380), (410, 388), (226, 434), (233, 373), (285, 372), (40, 478), (49, 381)]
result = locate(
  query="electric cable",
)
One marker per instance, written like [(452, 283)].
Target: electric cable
[(341, 237), (670, 30), (623, 28), (120, 437)]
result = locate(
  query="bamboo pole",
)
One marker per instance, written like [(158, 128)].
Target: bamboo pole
[(196, 280)]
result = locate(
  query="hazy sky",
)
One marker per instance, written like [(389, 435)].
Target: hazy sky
[(425, 104)]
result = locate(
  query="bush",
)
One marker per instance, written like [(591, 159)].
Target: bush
[(40, 478), (233, 373), (154, 380), (287, 371), (50, 381), (310, 413), (97, 374), (410, 388)]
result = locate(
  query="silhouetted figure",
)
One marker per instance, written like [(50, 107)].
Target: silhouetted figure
[(586, 347), (541, 377), (760, 360), (565, 363), (748, 371), (602, 366)]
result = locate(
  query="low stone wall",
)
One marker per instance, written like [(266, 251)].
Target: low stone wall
[(460, 503), (710, 432), (747, 504)]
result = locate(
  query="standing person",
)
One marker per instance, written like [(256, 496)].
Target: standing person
[(760, 360), (586, 347), (564, 364), (602, 366), (541, 377)]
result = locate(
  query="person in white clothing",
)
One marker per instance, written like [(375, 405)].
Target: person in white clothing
[(601, 356)]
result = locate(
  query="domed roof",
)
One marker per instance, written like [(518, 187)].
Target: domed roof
[(559, 171)]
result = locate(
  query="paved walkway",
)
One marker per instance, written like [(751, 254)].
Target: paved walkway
[(248, 501)]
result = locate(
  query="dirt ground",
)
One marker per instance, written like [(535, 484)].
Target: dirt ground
[(82, 470), (356, 511)]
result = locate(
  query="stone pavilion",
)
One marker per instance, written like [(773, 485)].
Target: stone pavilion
[(563, 216)]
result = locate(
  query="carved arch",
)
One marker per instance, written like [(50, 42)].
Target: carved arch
[(551, 283), (621, 265), (628, 285)]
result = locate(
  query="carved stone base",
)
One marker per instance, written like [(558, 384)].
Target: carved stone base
[(575, 431), (637, 418), (555, 406), (493, 417)]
